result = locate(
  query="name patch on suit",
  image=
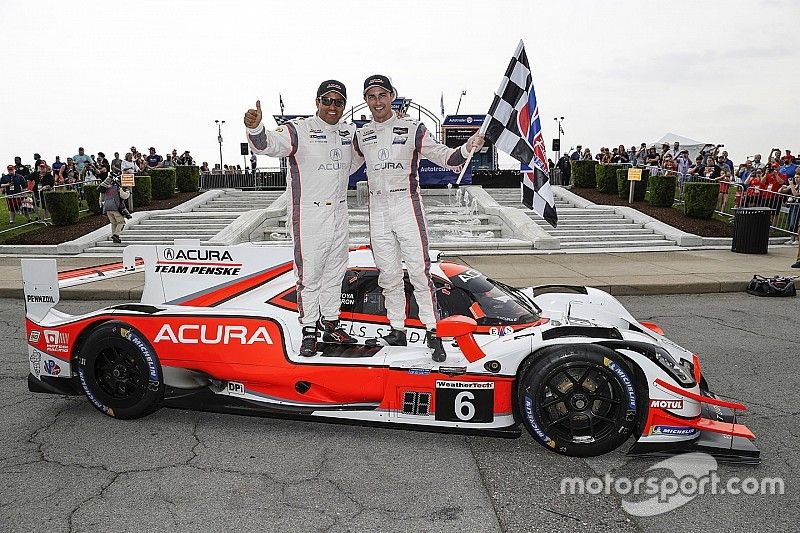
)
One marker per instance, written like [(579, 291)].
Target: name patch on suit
[(400, 131)]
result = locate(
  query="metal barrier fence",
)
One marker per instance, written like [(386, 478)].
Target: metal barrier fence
[(33, 206), (261, 179)]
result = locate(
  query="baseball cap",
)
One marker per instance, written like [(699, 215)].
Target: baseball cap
[(332, 85), (11, 168), (378, 80)]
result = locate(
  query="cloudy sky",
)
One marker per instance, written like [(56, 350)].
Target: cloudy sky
[(109, 74)]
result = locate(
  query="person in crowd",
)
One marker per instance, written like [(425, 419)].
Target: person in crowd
[(13, 185), (760, 187), (116, 164), (154, 160), (168, 162), (81, 159), (698, 169), (563, 164), (757, 163), (723, 159), (56, 167), (683, 163), (744, 171), (788, 168), (174, 156), (253, 161), (652, 160), (641, 155), (774, 156), (664, 151), (101, 167), (112, 201), (787, 157), (22, 170), (668, 165), (676, 150), (45, 182), (204, 167), (632, 155), (577, 155), (725, 180), (587, 154), (128, 165), (792, 190)]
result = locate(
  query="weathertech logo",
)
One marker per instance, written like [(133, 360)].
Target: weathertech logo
[(667, 404), (203, 334)]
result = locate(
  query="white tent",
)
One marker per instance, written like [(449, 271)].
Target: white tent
[(686, 143)]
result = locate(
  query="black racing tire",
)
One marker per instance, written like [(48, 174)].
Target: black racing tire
[(579, 400), (119, 372)]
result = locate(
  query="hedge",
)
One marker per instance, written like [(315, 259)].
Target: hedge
[(700, 199), (163, 182), (92, 195), (187, 178), (662, 191), (623, 189), (583, 174), (142, 191), (63, 207), (607, 178)]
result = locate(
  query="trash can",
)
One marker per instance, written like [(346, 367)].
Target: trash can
[(751, 230)]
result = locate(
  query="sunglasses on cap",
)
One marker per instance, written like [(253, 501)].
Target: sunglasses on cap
[(338, 102)]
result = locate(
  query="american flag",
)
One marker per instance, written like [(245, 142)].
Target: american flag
[(514, 127)]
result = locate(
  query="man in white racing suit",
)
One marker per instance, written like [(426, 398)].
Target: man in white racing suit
[(319, 153), (392, 148)]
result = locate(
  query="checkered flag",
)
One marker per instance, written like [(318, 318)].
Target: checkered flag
[(513, 126)]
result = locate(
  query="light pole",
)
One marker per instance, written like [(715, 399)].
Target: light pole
[(463, 93), (560, 132), (219, 140)]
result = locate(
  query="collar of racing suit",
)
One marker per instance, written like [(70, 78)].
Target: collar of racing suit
[(385, 124), (321, 124)]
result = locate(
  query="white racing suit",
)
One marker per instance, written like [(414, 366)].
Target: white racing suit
[(397, 228), (318, 160)]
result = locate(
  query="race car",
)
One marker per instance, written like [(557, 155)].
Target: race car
[(217, 329)]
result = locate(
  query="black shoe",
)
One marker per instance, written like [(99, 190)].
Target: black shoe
[(796, 265), (396, 337), (308, 346), (435, 344), (116, 239), (333, 333)]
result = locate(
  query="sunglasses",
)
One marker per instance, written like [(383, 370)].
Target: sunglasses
[(338, 102)]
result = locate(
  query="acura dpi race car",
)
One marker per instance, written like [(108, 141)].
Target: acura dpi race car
[(217, 330)]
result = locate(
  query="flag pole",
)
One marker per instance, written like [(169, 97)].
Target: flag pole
[(482, 131)]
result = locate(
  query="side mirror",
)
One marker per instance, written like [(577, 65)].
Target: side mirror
[(461, 328)]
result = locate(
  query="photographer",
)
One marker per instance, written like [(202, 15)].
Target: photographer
[(111, 199)]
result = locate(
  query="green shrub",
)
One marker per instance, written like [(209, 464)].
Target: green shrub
[(700, 199), (92, 196), (163, 182), (187, 178), (623, 188), (63, 206), (142, 192), (607, 178), (583, 174), (662, 191)]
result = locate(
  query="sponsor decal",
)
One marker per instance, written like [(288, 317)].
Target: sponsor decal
[(346, 142), (443, 384), (52, 368), (202, 270), (336, 154), (204, 334), (383, 154), (36, 360), (312, 130), (319, 137), (614, 367), (344, 133), (56, 341), (452, 370), (672, 430), (279, 129), (40, 299), (370, 138), (419, 371), (388, 165), (34, 336), (400, 131), (537, 430), (348, 298), (399, 140), (197, 255), (469, 120), (464, 401), (502, 331), (667, 404), (332, 166), (235, 388)]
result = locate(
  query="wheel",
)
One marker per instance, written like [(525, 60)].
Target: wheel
[(119, 372), (579, 400)]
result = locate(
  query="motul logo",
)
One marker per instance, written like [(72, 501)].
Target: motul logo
[(203, 334), (667, 404)]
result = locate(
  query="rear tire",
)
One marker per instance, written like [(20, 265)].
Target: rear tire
[(119, 372), (579, 400)]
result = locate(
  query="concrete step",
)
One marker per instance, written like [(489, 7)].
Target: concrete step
[(608, 238), (433, 231), (590, 223), (198, 215), (180, 224), (581, 216), (138, 237), (558, 232), (616, 244)]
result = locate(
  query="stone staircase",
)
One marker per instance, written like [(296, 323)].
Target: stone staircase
[(451, 225), (205, 221), (583, 228)]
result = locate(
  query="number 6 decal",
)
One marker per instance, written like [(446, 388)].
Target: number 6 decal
[(462, 404)]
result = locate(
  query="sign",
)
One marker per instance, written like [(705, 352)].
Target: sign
[(244, 149), (464, 120), (128, 180), (635, 174), (556, 145)]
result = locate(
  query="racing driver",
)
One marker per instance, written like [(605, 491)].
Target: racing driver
[(319, 152), (392, 147)]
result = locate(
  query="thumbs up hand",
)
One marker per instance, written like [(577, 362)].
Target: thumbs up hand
[(253, 116)]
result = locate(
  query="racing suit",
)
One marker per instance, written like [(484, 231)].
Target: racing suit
[(397, 228), (318, 159)]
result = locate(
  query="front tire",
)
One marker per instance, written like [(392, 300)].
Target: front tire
[(119, 372), (578, 400)]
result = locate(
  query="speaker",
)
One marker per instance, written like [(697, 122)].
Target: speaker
[(556, 145), (244, 148)]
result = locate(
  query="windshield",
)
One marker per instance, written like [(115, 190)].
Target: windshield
[(498, 303)]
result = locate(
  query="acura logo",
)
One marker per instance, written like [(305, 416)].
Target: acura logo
[(383, 154), (336, 154), (169, 254)]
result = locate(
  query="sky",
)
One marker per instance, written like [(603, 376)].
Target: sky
[(109, 74)]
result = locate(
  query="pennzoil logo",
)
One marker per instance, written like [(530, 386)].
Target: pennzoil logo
[(171, 254), (204, 334), (40, 299)]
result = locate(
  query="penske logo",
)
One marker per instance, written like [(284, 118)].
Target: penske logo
[(205, 334)]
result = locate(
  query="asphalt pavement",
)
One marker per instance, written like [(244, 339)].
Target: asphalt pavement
[(66, 467)]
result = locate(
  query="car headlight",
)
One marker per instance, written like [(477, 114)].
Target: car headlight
[(668, 363)]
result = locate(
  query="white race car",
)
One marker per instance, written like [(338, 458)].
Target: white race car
[(217, 329)]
